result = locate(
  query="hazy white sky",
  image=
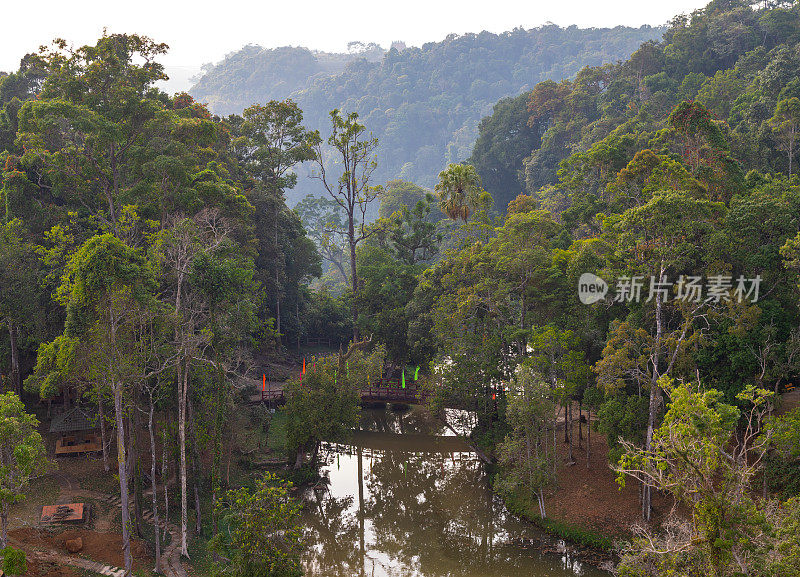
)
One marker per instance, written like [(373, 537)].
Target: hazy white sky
[(201, 31)]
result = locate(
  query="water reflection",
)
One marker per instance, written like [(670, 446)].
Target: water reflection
[(404, 498)]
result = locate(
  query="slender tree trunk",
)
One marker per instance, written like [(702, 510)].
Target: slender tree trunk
[(277, 285), (165, 476), (354, 278), (570, 457), (123, 479), (555, 455), (298, 461), (216, 459), (297, 316), (136, 473), (183, 381), (183, 387), (588, 436), (3, 525), (278, 317), (655, 398), (195, 470), (103, 432), (16, 381), (153, 484)]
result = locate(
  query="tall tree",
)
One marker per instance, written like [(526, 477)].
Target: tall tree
[(272, 142), (664, 237), (18, 268), (786, 125), (355, 153), (22, 455), (106, 286), (89, 124), (459, 188), (528, 453)]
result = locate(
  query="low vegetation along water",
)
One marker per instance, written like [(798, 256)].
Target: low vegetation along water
[(405, 498)]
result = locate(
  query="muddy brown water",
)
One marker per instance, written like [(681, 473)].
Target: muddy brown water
[(404, 497)]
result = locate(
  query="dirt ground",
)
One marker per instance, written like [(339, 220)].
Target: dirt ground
[(103, 547), (36, 569), (101, 536), (789, 401), (591, 498)]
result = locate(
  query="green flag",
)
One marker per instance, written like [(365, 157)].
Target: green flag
[(416, 373), (404, 378)]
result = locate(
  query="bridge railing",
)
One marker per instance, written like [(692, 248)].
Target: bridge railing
[(386, 388)]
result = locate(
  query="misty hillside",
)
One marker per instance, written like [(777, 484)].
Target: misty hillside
[(424, 104)]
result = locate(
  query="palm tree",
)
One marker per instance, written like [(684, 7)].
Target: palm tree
[(459, 189)]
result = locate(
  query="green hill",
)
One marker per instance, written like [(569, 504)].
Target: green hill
[(423, 103)]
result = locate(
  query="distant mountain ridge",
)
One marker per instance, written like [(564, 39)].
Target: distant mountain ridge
[(423, 103)]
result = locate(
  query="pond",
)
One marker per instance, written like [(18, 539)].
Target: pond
[(404, 497)]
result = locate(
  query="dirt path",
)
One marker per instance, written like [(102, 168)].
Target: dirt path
[(61, 559), (788, 402), (69, 489)]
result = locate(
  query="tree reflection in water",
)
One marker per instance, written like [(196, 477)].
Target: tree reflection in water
[(402, 501)]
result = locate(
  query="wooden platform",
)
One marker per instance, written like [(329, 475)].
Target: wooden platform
[(77, 444), (69, 513)]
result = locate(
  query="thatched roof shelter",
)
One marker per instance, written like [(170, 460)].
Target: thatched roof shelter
[(72, 421)]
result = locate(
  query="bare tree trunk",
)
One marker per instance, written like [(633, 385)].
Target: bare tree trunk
[(136, 472), (153, 484), (165, 477), (16, 380), (298, 461), (277, 285), (568, 419), (297, 316), (278, 317), (588, 436), (540, 498), (655, 398), (123, 479), (351, 237), (3, 525), (183, 383), (103, 432), (195, 469)]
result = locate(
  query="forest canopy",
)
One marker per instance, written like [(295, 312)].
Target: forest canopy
[(445, 87)]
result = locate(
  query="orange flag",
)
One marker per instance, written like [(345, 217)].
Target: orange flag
[(304, 365)]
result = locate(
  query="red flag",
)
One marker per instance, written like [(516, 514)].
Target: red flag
[(264, 383)]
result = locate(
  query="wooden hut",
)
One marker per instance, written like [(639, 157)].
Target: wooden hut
[(78, 433)]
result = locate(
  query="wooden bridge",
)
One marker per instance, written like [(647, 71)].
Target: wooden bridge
[(386, 390)]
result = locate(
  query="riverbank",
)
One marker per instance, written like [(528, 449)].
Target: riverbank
[(587, 507)]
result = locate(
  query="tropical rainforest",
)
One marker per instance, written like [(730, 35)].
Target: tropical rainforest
[(446, 87), (617, 257)]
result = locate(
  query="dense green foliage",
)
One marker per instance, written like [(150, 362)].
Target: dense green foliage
[(736, 61), (423, 104), (157, 240), (262, 536), (323, 403), (22, 457)]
